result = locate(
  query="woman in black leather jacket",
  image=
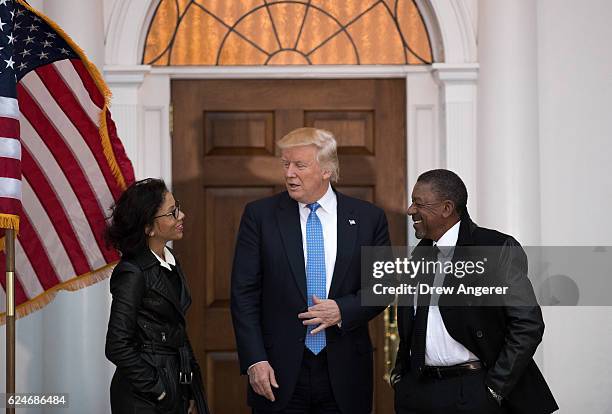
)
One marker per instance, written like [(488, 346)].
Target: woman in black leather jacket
[(147, 337)]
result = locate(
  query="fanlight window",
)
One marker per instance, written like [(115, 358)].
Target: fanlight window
[(287, 32)]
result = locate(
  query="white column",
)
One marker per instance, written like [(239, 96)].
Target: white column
[(458, 123), (508, 136), (508, 119)]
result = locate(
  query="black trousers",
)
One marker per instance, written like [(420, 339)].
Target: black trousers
[(465, 394), (313, 392)]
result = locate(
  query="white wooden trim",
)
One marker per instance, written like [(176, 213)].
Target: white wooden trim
[(289, 71)]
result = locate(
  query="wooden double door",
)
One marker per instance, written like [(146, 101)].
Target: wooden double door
[(224, 155)]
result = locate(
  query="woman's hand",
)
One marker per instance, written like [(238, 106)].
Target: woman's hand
[(192, 407)]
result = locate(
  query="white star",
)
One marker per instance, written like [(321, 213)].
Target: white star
[(29, 40), (64, 51), (32, 27), (10, 63), (3, 2), (43, 55), (11, 39), (24, 53), (51, 34), (2, 25), (20, 12), (17, 25), (12, 14), (22, 66), (46, 43), (36, 19)]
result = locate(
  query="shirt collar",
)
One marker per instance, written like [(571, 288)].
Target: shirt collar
[(169, 259), (449, 239), (327, 202)]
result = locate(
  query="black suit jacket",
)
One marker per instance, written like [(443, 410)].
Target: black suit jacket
[(269, 290), (504, 338)]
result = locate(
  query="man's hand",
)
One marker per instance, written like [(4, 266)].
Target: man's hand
[(324, 313), (262, 379), (192, 408)]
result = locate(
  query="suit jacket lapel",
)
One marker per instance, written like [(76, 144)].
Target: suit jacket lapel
[(465, 238), (347, 237), (291, 232)]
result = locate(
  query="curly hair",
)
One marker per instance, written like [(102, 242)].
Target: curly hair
[(132, 213)]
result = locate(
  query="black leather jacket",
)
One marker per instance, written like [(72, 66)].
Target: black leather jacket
[(147, 339)]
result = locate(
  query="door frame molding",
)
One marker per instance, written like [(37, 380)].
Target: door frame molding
[(441, 99)]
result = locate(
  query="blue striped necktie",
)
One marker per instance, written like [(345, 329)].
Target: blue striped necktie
[(315, 272)]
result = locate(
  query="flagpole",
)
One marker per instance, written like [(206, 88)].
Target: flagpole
[(9, 249)]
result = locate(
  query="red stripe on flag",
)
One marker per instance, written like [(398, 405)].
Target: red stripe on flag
[(94, 92), (66, 100), (20, 295), (49, 200), (36, 254), (69, 165), (10, 168), (125, 165), (9, 127), (10, 206)]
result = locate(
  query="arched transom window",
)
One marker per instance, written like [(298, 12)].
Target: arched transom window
[(287, 32)]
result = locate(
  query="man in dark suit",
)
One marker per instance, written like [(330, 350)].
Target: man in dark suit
[(301, 332), (468, 359)]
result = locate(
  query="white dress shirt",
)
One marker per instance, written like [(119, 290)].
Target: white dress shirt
[(328, 217), (169, 259), (440, 348)]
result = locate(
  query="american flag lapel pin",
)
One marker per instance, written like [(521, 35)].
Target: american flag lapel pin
[(352, 222)]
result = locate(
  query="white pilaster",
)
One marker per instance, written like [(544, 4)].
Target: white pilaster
[(140, 108), (423, 132), (508, 119), (458, 122), (125, 83)]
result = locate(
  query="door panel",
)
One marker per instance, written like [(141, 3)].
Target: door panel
[(224, 156)]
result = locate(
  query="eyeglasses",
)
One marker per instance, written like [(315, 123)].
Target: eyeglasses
[(176, 211)]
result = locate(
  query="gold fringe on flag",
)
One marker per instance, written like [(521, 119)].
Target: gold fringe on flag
[(73, 284), (10, 221), (99, 80)]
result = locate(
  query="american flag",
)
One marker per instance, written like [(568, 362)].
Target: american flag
[(61, 163)]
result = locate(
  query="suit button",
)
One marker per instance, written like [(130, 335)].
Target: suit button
[(479, 334)]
